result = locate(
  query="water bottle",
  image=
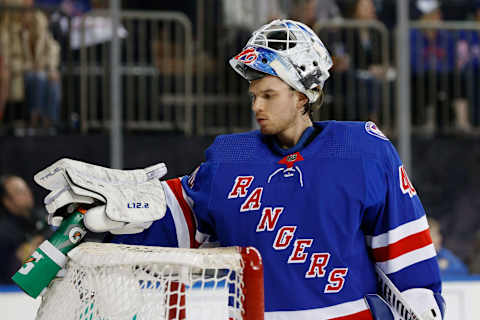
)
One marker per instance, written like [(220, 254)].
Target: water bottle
[(42, 266)]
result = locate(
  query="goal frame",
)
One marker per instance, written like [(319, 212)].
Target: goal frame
[(249, 303)]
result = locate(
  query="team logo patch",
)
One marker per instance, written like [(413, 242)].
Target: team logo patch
[(372, 129), (290, 160), (247, 56)]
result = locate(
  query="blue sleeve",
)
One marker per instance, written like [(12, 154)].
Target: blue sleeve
[(198, 187), (396, 226)]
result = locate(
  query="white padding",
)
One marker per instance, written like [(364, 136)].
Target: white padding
[(93, 254), (423, 302)]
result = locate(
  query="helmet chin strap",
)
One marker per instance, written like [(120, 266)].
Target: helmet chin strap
[(312, 95)]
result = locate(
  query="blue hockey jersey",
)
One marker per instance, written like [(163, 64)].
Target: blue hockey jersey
[(321, 214)]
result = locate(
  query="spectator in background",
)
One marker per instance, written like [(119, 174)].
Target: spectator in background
[(323, 17), (41, 61), (320, 15), (22, 228), (367, 59), (250, 14), (448, 262), (310, 12), (361, 82), (468, 64), (387, 13), (241, 18), (432, 59), (11, 52)]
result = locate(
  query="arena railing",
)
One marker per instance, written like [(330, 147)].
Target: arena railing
[(176, 76), (361, 83), (445, 77), (156, 69)]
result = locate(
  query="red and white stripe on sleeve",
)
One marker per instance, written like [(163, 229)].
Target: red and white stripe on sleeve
[(351, 310), (402, 246), (182, 213)]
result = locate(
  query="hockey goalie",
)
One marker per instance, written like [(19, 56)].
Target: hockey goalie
[(328, 204)]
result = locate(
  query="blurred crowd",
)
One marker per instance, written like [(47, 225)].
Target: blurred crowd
[(444, 62), (29, 67)]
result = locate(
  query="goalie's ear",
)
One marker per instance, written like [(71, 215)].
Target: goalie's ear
[(379, 308), (302, 100)]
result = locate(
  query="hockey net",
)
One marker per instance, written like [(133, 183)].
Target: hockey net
[(124, 282)]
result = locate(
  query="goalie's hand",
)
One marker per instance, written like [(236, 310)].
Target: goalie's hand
[(124, 201)]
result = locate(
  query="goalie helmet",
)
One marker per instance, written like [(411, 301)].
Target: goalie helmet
[(289, 50)]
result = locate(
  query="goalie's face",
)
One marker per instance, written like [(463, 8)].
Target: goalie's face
[(279, 109)]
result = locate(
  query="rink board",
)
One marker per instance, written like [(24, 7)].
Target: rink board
[(462, 297)]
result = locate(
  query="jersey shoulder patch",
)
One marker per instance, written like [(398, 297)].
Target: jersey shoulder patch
[(373, 130)]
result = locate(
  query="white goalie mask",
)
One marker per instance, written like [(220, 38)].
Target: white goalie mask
[(289, 50)]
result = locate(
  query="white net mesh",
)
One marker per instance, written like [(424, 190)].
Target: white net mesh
[(120, 282)]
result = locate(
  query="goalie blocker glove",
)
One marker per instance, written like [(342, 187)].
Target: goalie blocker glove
[(128, 200)]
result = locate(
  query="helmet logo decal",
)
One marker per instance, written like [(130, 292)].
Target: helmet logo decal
[(247, 56)]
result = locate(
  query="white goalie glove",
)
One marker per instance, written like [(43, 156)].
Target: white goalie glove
[(128, 200), (414, 303), (420, 299)]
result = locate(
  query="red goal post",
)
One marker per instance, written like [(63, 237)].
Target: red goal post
[(104, 281)]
